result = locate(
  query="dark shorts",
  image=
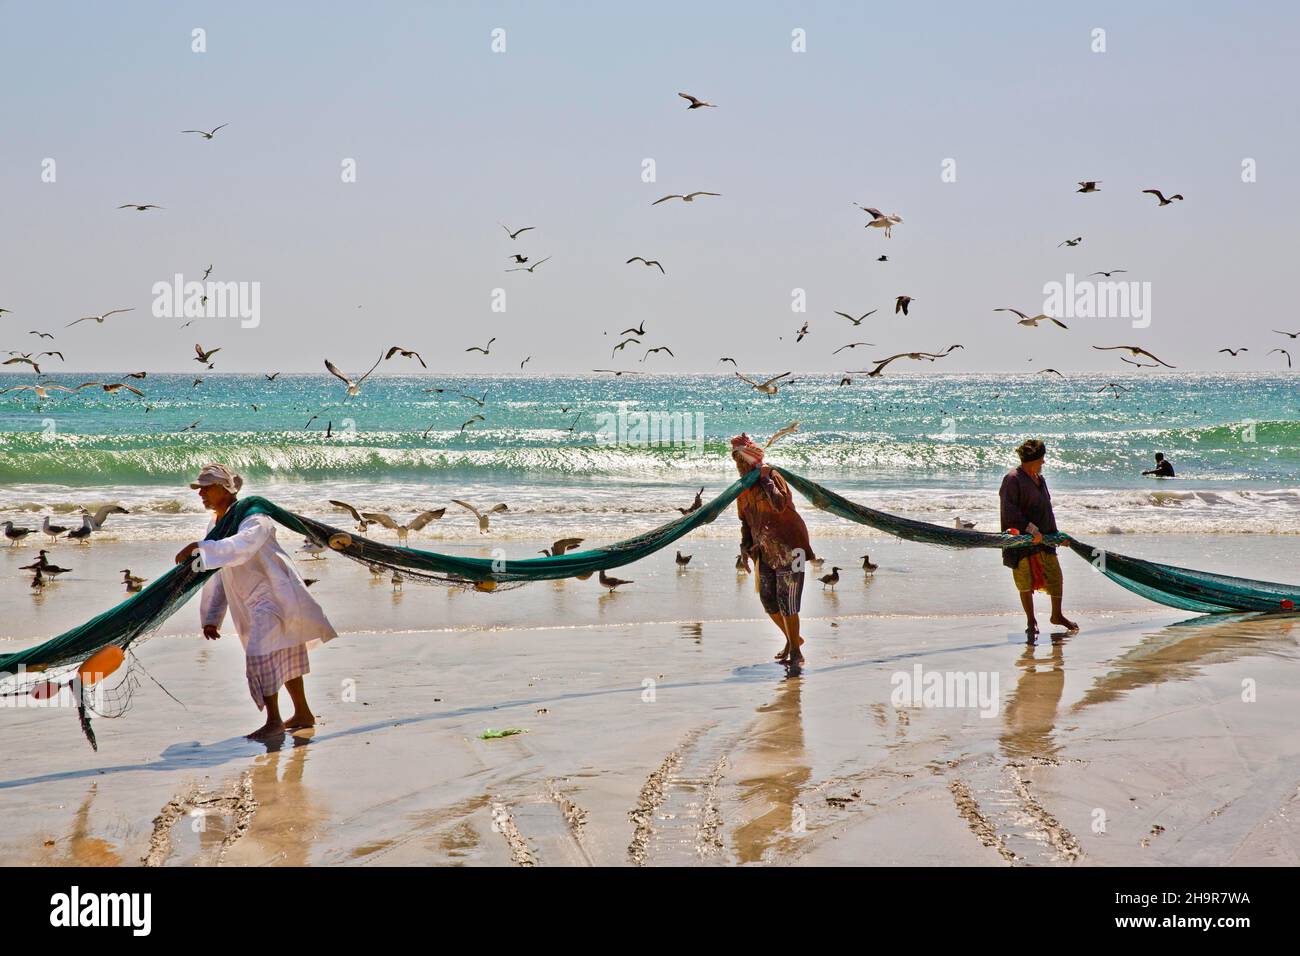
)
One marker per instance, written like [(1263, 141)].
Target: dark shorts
[(780, 589)]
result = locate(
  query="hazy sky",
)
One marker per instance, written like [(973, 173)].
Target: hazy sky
[(451, 139)]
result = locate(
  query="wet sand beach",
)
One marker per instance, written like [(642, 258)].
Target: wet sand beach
[(658, 731)]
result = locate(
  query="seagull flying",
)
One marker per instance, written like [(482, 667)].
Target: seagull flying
[(1161, 196), (689, 197), (648, 262), (206, 134), (1132, 350), (97, 318), (354, 388), (696, 103)]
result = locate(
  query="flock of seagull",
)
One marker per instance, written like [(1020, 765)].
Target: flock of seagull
[(634, 337)]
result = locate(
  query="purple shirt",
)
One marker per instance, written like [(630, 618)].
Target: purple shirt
[(1024, 502)]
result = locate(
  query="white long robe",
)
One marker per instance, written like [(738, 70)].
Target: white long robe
[(259, 583)]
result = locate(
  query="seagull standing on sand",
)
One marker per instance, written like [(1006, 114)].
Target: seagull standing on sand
[(82, 534), (15, 534), (53, 530), (612, 583)]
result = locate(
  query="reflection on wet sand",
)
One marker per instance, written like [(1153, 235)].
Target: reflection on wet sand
[(81, 847), (288, 819), (1180, 651), (769, 801), (1031, 712)]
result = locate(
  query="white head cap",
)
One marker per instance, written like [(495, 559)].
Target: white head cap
[(218, 474)]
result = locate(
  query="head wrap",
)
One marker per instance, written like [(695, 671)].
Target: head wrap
[(218, 474), (743, 450), (1032, 450)]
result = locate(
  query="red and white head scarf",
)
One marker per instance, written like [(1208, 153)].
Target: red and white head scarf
[(743, 450)]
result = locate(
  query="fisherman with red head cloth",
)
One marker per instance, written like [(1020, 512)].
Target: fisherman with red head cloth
[(775, 536)]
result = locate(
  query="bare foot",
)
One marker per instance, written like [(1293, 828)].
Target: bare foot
[(1064, 621), (784, 653), (298, 723), (268, 731)]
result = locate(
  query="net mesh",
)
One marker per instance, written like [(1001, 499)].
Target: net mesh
[(142, 613)]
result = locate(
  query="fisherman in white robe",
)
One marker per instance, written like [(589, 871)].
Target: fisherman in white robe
[(277, 620)]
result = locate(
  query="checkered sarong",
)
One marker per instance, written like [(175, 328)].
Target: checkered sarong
[(267, 673)]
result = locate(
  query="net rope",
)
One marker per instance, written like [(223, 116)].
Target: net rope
[(142, 613)]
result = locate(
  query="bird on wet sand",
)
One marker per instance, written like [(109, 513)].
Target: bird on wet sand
[(53, 530), (867, 564), (831, 579), (612, 583), (132, 582), (14, 534), (683, 559)]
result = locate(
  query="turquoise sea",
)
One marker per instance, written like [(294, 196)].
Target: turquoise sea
[(557, 451)]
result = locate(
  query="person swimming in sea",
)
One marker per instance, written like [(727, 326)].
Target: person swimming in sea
[(1163, 468)]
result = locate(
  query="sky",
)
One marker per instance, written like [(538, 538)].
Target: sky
[(451, 139)]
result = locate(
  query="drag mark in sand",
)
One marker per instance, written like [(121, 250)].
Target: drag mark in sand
[(1061, 839), (708, 833), (648, 802), (502, 822), (979, 824), (238, 801)]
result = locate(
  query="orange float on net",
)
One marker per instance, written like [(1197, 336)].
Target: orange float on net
[(485, 585), (100, 664)]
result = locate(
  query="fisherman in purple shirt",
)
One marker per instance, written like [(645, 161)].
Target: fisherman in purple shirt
[(1027, 509)]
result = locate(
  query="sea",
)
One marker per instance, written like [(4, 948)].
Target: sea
[(604, 457)]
